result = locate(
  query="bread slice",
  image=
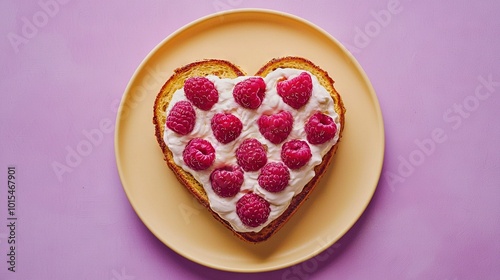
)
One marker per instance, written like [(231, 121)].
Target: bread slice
[(225, 69)]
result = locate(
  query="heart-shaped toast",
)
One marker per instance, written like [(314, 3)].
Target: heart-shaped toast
[(249, 148)]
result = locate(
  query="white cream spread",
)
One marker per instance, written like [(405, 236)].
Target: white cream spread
[(225, 153)]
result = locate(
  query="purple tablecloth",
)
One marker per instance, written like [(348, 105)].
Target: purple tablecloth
[(435, 68)]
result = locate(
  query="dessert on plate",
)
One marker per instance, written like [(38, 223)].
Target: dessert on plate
[(249, 148)]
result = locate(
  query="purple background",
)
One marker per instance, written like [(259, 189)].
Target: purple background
[(435, 214)]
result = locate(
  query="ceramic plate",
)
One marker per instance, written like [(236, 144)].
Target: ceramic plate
[(249, 38)]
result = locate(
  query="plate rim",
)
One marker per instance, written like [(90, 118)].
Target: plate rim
[(345, 51)]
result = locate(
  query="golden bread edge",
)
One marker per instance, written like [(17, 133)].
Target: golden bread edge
[(225, 69)]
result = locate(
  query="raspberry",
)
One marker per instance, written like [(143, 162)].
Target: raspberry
[(274, 177), (251, 155), (295, 153), (320, 128), (253, 209), (201, 92), (250, 92), (277, 127), (199, 154), (181, 118), (297, 91), (226, 127), (227, 181)]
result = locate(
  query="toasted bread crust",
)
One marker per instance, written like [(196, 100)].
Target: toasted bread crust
[(225, 69)]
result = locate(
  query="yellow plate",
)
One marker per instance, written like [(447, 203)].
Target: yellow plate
[(249, 38)]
